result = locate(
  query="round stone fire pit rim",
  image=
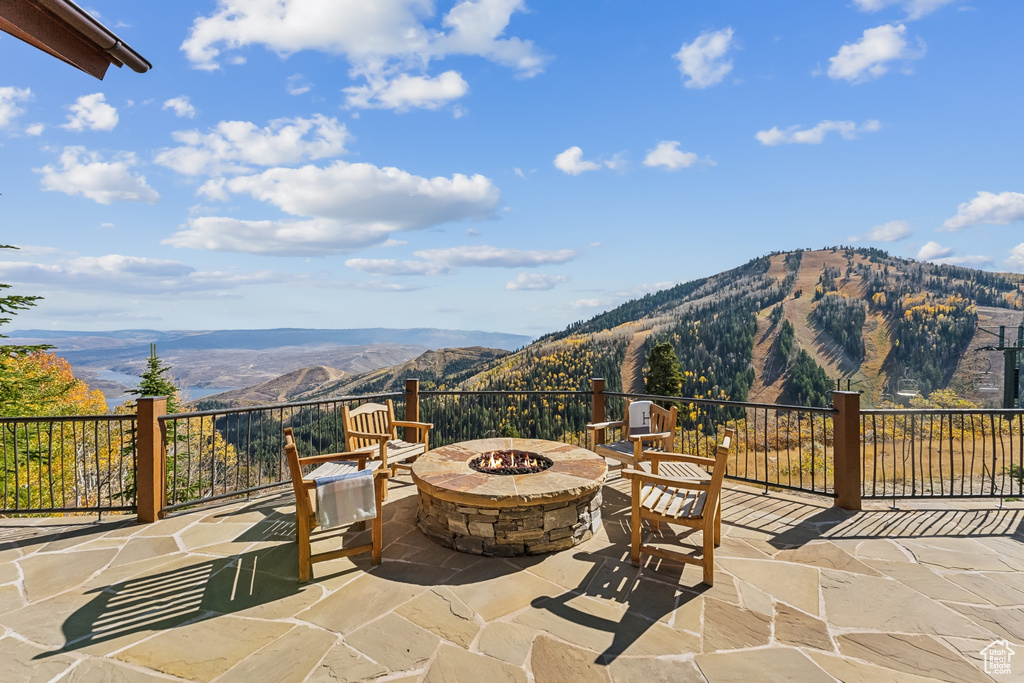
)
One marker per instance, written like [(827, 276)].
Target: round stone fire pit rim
[(444, 473)]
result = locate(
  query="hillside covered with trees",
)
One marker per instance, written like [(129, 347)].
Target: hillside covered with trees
[(786, 328)]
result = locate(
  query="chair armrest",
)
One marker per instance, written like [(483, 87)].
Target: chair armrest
[(648, 437), (605, 425), (363, 454), (370, 435), (377, 474), (670, 482), (679, 457), (418, 425)]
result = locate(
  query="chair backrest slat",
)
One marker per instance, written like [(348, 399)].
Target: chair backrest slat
[(371, 418)]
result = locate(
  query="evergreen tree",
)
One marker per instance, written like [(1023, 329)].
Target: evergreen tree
[(10, 305), (809, 382), (154, 383), (664, 377)]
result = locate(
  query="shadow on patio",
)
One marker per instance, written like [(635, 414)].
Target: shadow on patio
[(802, 591)]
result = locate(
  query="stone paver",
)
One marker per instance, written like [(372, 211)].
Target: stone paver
[(455, 664), (793, 627), (555, 662), (440, 611), (802, 592), (397, 643), (771, 664), (727, 627), (22, 662), (918, 655), (507, 642), (344, 665), (203, 650)]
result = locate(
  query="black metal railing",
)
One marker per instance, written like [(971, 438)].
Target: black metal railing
[(465, 415), (68, 464), (87, 464), (777, 446), (217, 454), (935, 453)]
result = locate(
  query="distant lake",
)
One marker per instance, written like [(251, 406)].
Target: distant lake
[(193, 393)]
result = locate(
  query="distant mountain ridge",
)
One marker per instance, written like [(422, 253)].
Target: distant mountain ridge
[(75, 341), (307, 384), (210, 361), (785, 327)]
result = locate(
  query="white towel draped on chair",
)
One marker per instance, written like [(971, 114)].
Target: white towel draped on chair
[(345, 498), (640, 417)]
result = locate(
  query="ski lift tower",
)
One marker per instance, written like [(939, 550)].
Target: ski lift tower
[(1011, 348)]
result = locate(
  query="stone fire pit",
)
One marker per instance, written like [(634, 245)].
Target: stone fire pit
[(505, 515)]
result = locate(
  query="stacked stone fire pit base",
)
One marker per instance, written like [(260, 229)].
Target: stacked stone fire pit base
[(525, 530), (506, 515)]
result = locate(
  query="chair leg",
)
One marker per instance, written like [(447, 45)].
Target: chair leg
[(635, 523), (718, 522), (302, 531), (377, 525), (708, 560)]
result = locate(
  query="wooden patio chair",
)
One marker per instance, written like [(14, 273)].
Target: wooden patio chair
[(692, 501), (653, 428), (304, 485), (374, 425)]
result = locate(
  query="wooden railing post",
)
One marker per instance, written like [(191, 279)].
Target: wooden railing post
[(412, 402), (597, 407), (151, 458), (846, 449)]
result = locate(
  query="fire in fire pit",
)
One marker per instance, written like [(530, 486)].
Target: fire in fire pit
[(510, 462)]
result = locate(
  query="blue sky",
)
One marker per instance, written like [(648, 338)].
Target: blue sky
[(504, 165)]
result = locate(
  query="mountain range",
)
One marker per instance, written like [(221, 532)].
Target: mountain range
[(785, 327), (213, 361)]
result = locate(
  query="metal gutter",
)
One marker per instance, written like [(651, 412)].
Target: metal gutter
[(86, 26)]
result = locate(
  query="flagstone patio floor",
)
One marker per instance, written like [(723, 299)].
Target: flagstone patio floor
[(803, 591)]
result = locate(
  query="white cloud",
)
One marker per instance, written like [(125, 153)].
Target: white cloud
[(386, 41), (9, 109), (571, 161), (494, 257), (893, 231), (407, 91), (668, 154), (535, 281), (940, 255), (915, 9), (117, 273), (85, 173), (235, 146), (341, 207), (933, 250), (91, 112), (313, 237), (181, 106), (869, 58), (610, 299), (848, 130), (703, 61), (35, 129), (395, 267), (297, 85), (966, 261), (988, 208), (1016, 260), (444, 261)]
